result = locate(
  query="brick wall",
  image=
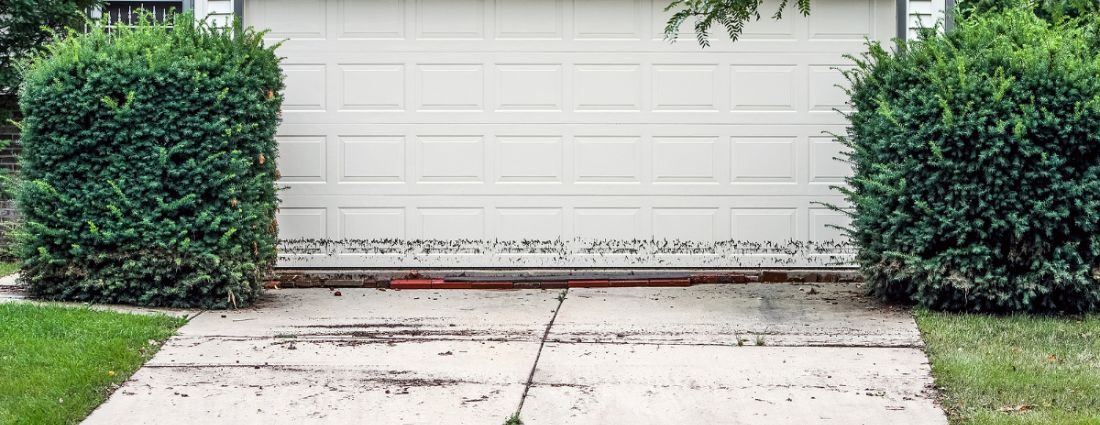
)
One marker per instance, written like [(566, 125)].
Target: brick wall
[(9, 157), (9, 162)]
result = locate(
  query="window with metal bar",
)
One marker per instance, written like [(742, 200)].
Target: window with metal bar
[(127, 12)]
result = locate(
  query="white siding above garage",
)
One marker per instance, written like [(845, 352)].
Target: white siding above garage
[(921, 13), (561, 133)]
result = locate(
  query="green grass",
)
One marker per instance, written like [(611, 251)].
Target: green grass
[(58, 363), (7, 268), (1015, 369)]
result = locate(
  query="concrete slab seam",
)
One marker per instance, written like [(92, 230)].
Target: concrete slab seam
[(506, 279), (542, 344)]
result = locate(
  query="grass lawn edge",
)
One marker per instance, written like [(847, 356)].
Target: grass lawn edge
[(59, 362), (1014, 369)]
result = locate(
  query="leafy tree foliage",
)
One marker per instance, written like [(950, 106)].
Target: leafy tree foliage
[(149, 166), (26, 26), (976, 158), (731, 15)]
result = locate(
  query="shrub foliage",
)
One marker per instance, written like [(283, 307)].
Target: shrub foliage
[(1051, 10), (27, 26), (976, 161), (149, 166)]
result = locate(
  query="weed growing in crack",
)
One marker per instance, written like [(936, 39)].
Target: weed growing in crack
[(513, 420), (562, 294)]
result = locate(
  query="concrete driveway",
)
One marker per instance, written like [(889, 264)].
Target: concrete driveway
[(712, 354)]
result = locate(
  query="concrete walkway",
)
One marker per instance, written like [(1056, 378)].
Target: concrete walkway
[(717, 354)]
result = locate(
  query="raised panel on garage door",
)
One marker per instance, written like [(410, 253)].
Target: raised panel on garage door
[(559, 133)]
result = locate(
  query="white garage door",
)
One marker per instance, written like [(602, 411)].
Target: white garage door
[(566, 133)]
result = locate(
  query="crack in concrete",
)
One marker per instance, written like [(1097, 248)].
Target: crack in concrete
[(347, 339), (542, 344), (747, 345), (341, 340)]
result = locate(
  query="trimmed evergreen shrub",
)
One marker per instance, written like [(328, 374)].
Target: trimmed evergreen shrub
[(149, 166), (976, 159), (1051, 10)]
